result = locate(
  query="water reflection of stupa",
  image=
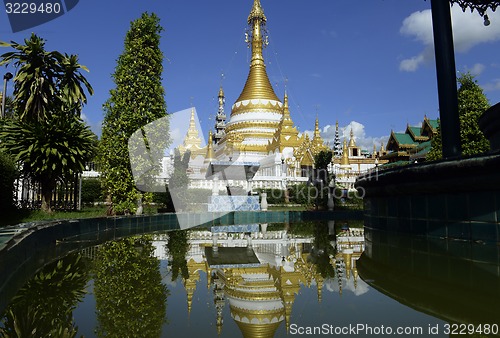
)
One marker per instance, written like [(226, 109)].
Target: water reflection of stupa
[(259, 273)]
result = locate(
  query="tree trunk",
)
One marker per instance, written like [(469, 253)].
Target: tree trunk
[(47, 189)]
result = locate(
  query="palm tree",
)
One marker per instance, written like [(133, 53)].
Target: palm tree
[(50, 140)]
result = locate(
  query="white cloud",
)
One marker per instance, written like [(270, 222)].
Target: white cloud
[(360, 137), (477, 69), (468, 31), (361, 288), (412, 64), (492, 86)]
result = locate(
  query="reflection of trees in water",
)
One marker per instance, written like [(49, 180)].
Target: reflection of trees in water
[(178, 247), (323, 250), (130, 298), (44, 306)]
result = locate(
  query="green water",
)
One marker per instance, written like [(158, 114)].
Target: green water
[(312, 279)]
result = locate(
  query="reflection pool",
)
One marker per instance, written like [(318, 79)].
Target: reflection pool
[(262, 280)]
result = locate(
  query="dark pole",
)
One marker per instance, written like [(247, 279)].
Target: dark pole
[(6, 78), (446, 78)]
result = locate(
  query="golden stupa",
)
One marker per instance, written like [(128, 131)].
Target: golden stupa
[(257, 112)]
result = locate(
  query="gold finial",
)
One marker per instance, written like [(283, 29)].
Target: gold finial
[(345, 155), (317, 134), (352, 143), (258, 85), (257, 12), (210, 150)]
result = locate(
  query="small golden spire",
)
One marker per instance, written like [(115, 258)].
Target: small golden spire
[(221, 92), (316, 127), (192, 140), (352, 143), (319, 285), (345, 155), (210, 150)]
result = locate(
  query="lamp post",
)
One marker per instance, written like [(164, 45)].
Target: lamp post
[(6, 78)]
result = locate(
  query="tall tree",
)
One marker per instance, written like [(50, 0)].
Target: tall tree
[(131, 300), (45, 82), (49, 139), (137, 100), (471, 105)]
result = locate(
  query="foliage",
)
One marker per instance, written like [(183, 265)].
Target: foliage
[(321, 162), (179, 181), (50, 151), (48, 138), (274, 196), (137, 100), (178, 246), (9, 107), (471, 104), (322, 250), (44, 306), (302, 193), (91, 190), (130, 297), (8, 174), (179, 178), (45, 82)]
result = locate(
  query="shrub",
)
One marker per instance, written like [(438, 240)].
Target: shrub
[(8, 174), (92, 190)]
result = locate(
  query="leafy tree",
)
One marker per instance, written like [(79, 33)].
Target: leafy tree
[(322, 251), (45, 83), (136, 101), (44, 306), (177, 190), (8, 173), (50, 151), (471, 104), (178, 246), (321, 162), (130, 297), (9, 107), (48, 138)]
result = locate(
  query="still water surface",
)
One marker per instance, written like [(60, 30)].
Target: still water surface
[(267, 280)]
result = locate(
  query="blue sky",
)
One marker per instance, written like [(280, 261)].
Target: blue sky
[(367, 64)]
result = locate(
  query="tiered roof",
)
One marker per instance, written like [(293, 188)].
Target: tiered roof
[(413, 144)]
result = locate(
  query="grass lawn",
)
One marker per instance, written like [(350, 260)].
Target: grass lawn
[(22, 216)]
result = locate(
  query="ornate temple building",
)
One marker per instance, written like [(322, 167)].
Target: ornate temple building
[(260, 128), (412, 145), (350, 161)]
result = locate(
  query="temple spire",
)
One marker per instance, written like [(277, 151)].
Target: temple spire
[(192, 140), (352, 143), (337, 146), (258, 85), (220, 119)]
